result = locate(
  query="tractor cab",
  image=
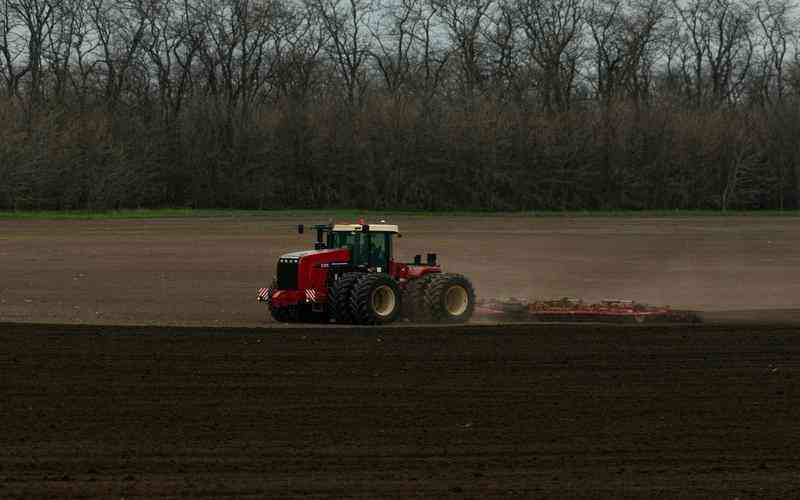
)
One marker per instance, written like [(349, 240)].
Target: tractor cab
[(370, 245)]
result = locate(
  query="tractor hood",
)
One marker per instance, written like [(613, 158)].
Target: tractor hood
[(296, 256), (308, 269), (316, 257)]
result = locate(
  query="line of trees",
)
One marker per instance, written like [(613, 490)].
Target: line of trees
[(432, 104)]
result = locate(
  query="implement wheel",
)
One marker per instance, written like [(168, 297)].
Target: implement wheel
[(339, 298), (450, 298), (375, 300)]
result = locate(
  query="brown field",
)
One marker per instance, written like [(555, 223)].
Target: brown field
[(515, 411), (407, 412), (206, 271)]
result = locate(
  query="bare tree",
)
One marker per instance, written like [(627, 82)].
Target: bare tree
[(720, 43), (647, 103), (506, 56), (70, 31), (553, 30), (395, 37), (38, 19), (238, 34), (730, 51), (623, 32), (13, 66), (466, 22), (433, 56), (120, 28), (349, 42), (738, 161), (163, 37), (78, 56), (773, 18), (297, 51)]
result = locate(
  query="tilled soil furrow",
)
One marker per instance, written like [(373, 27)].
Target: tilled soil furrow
[(552, 411)]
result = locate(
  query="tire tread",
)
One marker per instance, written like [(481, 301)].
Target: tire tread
[(434, 298), (360, 299), (339, 298)]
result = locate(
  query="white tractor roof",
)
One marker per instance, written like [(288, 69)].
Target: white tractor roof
[(373, 228)]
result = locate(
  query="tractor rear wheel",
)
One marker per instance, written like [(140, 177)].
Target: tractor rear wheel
[(339, 298), (450, 298), (375, 300), (414, 299)]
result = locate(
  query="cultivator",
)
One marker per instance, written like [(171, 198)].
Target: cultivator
[(575, 311)]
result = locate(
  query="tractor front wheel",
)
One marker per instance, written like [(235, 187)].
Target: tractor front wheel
[(339, 298), (450, 298), (306, 314), (281, 314), (375, 300)]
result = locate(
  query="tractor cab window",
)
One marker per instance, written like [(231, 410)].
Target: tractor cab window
[(379, 250), (341, 239), (356, 242), (367, 249)]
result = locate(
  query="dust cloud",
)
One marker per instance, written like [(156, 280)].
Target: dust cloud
[(713, 264)]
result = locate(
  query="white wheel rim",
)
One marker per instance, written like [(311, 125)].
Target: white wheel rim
[(456, 300), (383, 300)]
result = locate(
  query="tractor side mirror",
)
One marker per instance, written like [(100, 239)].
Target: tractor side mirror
[(300, 229), (431, 259), (365, 228), (418, 259), (399, 235)]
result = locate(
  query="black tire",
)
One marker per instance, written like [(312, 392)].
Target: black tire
[(450, 298), (366, 304), (306, 314), (414, 299), (339, 298), (281, 314)]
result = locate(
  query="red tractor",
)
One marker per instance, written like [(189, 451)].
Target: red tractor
[(351, 277)]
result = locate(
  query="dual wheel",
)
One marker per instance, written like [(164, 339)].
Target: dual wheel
[(365, 299), (372, 299), (439, 298)]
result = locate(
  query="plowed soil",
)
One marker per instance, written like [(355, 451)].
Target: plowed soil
[(408, 412), (205, 272), (527, 411)]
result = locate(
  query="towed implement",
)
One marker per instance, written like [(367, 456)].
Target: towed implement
[(569, 310), (352, 277)]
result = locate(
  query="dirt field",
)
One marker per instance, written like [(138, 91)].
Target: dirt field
[(542, 411), (472, 412), (206, 271)]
